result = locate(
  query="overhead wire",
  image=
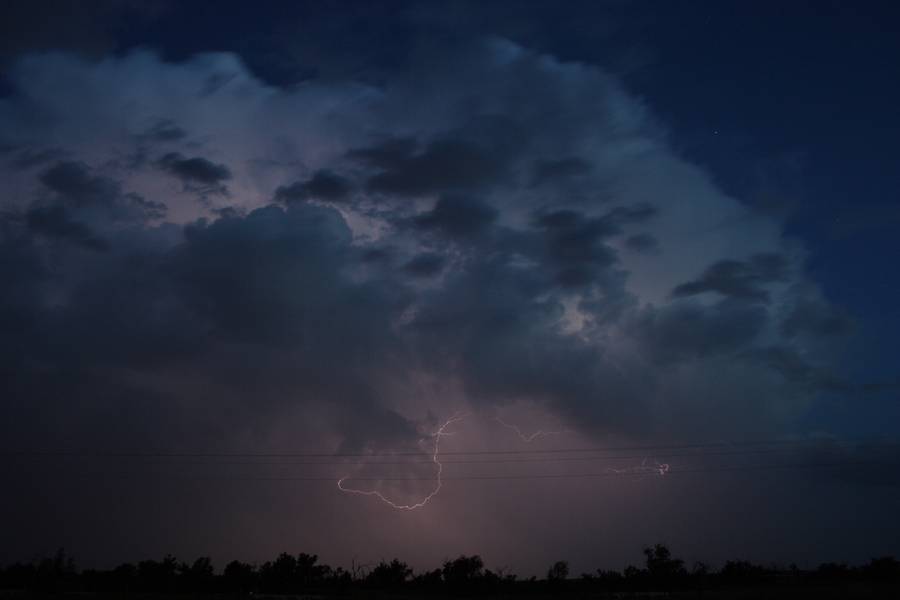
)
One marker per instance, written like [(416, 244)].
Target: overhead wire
[(604, 474), (656, 449)]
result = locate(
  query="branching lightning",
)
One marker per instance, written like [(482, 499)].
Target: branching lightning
[(540, 433), (657, 468), (646, 468), (437, 435)]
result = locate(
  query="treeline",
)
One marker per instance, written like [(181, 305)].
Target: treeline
[(303, 574)]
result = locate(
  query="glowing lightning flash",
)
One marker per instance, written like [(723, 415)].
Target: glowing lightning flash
[(437, 435), (540, 433), (657, 468), (639, 471)]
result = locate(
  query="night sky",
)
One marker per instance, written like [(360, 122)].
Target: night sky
[(581, 276)]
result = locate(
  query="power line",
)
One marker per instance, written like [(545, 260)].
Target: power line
[(659, 447), (889, 467), (517, 460)]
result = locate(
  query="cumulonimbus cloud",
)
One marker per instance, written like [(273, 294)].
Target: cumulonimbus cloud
[(537, 239)]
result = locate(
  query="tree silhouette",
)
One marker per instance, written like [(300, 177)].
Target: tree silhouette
[(661, 567), (199, 576), (463, 571), (278, 575), (158, 576), (240, 577), (389, 575), (52, 574), (429, 579), (741, 571), (303, 575), (559, 571), (309, 572), (886, 568)]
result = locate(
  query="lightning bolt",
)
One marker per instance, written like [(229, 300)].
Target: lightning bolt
[(640, 471), (657, 468), (540, 433), (437, 435)]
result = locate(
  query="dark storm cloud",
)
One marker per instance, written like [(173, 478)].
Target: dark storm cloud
[(54, 221), (815, 318), (272, 290), (791, 365), (425, 265), (643, 243), (490, 323), (388, 154), (196, 173), (496, 268), (323, 185), (164, 130), (549, 171), (577, 244), (77, 188), (442, 165), (75, 182), (686, 330), (195, 169), (629, 215), (268, 288), (572, 234), (456, 215), (30, 158), (738, 279), (377, 254), (150, 208)]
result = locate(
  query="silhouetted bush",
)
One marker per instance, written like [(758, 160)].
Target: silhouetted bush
[(884, 569), (198, 577), (158, 576), (303, 574), (463, 571), (239, 577), (428, 579), (743, 572), (389, 575), (559, 571)]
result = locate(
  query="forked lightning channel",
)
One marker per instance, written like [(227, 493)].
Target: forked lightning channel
[(441, 432)]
